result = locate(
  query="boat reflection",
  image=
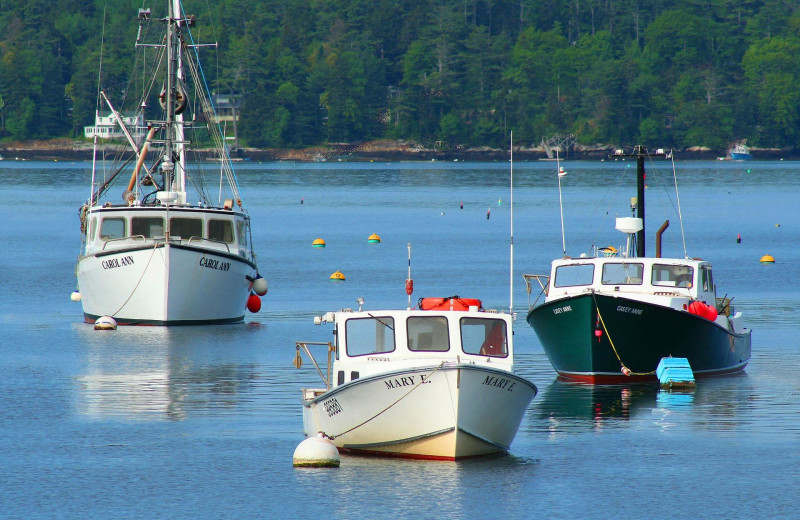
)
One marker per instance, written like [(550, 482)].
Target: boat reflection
[(566, 406), (155, 374), (714, 404)]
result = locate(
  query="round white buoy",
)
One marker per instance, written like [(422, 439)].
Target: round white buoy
[(316, 452), (105, 323), (260, 285), (75, 296)]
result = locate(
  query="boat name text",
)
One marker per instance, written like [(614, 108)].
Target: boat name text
[(215, 264), (629, 310), (565, 308), (332, 406), (400, 382), (113, 263), (499, 382)]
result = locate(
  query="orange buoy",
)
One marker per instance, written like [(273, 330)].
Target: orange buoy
[(767, 259), (337, 276), (318, 243), (374, 239)]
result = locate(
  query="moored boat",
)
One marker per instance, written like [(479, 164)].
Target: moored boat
[(740, 152), (162, 248), (427, 384), (610, 317)]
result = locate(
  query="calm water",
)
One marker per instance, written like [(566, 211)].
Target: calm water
[(183, 422)]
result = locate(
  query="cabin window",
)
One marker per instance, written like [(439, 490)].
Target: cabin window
[(93, 228), (619, 273), (484, 337), (221, 230), (148, 227), (428, 333), (708, 280), (573, 275), (241, 232), (672, 275), (373, 335), (186, 227), (112, 227)]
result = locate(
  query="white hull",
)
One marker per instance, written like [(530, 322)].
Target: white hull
[(164, 284), (461, 410)]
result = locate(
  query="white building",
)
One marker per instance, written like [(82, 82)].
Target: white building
[(106, 127)]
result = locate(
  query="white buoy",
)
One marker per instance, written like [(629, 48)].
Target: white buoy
[(260, 285), (75, 296), (105, 323), (316, 452)]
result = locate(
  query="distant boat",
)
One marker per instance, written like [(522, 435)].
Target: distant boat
[(611, 317), (740, 152), (163, 249), (436, 382)]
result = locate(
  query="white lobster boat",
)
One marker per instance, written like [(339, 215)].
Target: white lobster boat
[(161, 249), (435, 382)]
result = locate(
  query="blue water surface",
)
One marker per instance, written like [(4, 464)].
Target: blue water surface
[(192, 422)]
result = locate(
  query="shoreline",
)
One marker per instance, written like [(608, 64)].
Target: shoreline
[(385, 151)]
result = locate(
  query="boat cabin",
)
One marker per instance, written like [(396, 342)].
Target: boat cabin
[(123, 227), (681, 278), (376, 342)]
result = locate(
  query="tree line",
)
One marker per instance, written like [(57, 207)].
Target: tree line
[(671, 73)]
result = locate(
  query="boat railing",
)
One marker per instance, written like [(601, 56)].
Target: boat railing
[(201, 239), (120, 239), (544, 284), (298, 360)]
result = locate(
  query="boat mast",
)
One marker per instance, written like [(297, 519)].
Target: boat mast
[(640, 151), (173, 140), (180, 172), (511, 254)]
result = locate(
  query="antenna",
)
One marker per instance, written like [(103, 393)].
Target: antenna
[(409, 281), (678, 197), (561, 173), (511, 270)]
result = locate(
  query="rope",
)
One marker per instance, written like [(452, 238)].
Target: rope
[(422, 380), (152, 253), (625, 370)]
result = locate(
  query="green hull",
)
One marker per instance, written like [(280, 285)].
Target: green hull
[(641, 334)]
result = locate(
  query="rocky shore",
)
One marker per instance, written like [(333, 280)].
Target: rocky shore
[(384, 150)]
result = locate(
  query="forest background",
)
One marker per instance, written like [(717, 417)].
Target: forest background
[(671, 73)]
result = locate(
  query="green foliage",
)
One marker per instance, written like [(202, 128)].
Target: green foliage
[(668, 73)]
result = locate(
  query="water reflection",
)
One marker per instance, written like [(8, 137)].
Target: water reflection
[(568, 406), (716, 404), (151, 373), (373, 483)]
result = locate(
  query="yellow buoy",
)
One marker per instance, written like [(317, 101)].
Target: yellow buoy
[(374, 239), (338, 276), (767, 259), (318, 243)]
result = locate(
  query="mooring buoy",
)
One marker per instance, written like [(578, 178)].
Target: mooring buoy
[(316, 452)]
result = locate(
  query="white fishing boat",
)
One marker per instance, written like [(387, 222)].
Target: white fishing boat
[(159, 246), (434, 382)]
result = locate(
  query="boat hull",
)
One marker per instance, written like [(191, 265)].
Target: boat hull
[(459, 411), (641, 333), (164, 284)]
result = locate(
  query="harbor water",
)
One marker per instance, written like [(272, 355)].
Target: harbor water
[(189, 422)]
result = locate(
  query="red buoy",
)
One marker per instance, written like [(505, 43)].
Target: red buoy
[(253, 303)]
